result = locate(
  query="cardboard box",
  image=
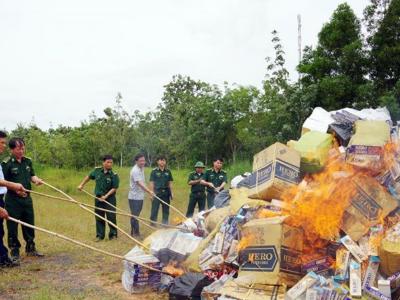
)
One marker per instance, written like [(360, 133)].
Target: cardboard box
[(275, 170), (273, 255), (234, 290), (365, 148), (368, 206)]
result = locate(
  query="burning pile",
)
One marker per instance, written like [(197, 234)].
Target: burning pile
[(319, 218)]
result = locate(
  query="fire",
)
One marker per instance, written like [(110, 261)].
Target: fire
[(177, 220), (319, 202), (173, 269), (245, 241)]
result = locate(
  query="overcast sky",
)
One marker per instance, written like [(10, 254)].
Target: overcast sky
[(61, 60)]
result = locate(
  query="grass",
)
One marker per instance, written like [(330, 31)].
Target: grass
[(69, 271)]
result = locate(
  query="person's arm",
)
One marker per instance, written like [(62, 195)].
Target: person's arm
[(114, 187), (3, 213), (206, 183), (191, 181), (109, 193), (16, 187), (151, 184), (143, 186), (137, 178), (36, 180), (221, 187), (84, 181)]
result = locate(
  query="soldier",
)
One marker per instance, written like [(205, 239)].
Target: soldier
[(18, 168), (161, 184), (107, 183), (215, 180), (5, 261), (198, 191)]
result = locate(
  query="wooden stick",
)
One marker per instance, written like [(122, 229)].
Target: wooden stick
[(97, 215), (143, 220), (125, 212), (85, 245), (155, 196)]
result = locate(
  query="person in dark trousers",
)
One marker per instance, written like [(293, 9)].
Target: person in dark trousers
[(137, 184), (19, 169), (215, 180), (161, 184), (197, 191), (107, 183), (5, 261)]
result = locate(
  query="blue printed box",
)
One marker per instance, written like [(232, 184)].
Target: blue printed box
[(275, 170)]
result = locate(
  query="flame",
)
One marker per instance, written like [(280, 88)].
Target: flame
[(173, 269), (246, 241), (177, 220), (319, 202)]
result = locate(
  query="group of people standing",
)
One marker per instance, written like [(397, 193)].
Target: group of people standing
[(160, 188), (17, 175)]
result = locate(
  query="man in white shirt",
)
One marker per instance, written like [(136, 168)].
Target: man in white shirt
[(137, 190)]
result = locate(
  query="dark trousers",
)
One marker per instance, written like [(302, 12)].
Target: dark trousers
[(21, 209), (196, 198), (136, 208), (3, 249), (155, 205), (101, 224), (210, 199)]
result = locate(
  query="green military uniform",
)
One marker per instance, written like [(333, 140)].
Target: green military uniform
[(197, 194), (105, 181), (161, 179), (19, 207), (216, 178)]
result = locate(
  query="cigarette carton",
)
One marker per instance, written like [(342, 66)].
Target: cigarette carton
[(354, 249), (355, 279)]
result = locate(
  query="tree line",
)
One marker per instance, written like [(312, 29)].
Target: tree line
[(356, 63)]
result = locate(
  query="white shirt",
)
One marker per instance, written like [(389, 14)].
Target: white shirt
[(135, 191), (3, 189)]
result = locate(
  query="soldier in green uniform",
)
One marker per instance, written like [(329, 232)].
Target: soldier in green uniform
[(215, 180), (18, 168), (198, 190), (107, 183), (161, 184)]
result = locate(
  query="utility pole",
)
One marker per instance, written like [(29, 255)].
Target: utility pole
[(299, 39)]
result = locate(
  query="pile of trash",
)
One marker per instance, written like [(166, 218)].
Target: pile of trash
[(317, 218)]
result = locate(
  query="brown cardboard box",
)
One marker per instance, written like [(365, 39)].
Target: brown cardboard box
[(252, 292), (275, 169), (273, 253), (369, 205)]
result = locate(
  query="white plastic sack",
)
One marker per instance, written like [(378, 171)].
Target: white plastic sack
[(136, 278)]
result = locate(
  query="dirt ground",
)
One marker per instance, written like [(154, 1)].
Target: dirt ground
[(65, 277)]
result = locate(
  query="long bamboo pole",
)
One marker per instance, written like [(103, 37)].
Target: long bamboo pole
[(97, 215), (122, 213), (155, 196), (85, 245)]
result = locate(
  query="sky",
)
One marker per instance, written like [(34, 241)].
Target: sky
[(62, 60)]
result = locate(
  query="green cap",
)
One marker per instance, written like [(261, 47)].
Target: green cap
[(199, 164)]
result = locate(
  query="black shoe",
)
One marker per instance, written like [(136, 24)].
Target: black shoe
[(14, 253), (34, 253), (113, 237), (8, 263)]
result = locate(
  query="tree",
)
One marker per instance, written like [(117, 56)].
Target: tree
[(337, 67), (384, 40)]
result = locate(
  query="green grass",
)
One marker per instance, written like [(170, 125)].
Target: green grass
[(69, 271)]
